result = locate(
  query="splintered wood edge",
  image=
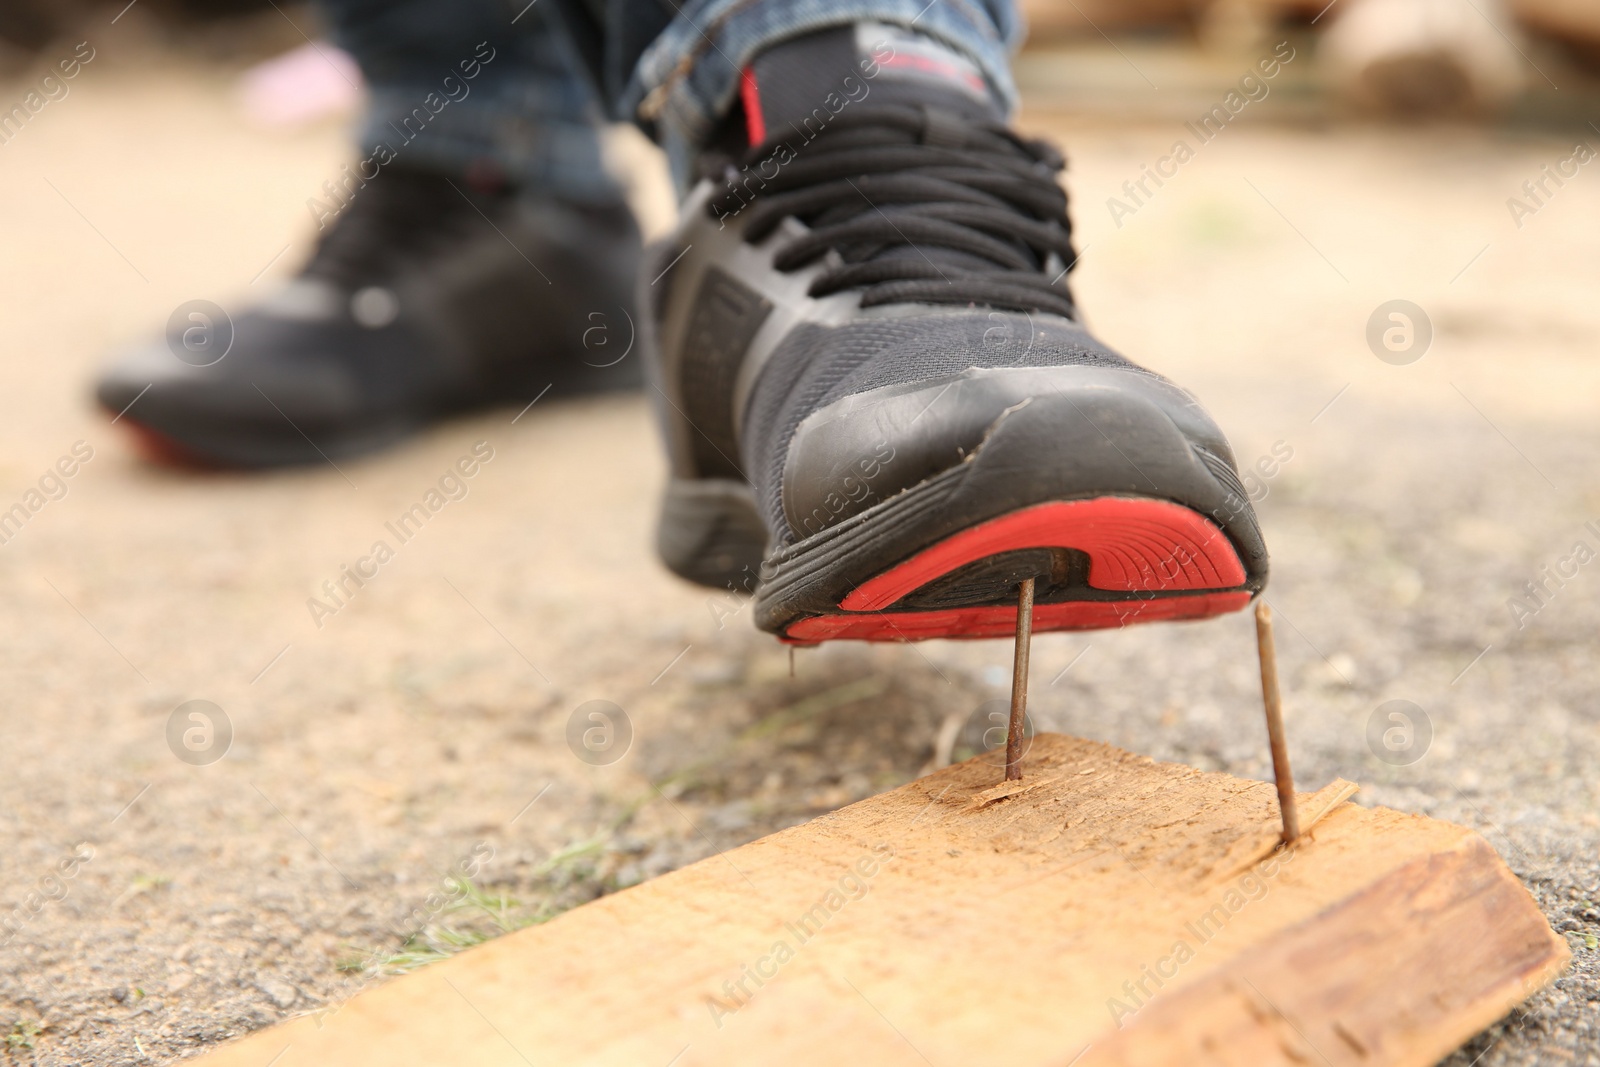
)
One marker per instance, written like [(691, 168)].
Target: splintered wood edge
[(1321, 803), (1268, 839), (1454, 936)]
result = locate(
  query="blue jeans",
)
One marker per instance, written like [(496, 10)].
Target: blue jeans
[(520, 89)]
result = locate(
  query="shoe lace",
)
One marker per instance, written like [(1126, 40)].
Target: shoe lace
[(399, 215), (920, 206)]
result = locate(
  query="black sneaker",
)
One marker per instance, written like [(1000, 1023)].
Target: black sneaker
[(882, 410), (424, 298)]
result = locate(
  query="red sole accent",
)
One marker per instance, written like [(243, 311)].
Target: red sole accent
[(1134, 545), (156, 447), (1002, 621)]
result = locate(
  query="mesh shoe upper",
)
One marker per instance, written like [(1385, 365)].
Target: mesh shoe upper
[(818, 366)]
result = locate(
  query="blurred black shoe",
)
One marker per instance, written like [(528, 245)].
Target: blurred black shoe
[(424, 298)]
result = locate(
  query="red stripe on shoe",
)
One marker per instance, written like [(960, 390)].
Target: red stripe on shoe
[(995, 621), (1133, 545), (156, 447), (755, 123)]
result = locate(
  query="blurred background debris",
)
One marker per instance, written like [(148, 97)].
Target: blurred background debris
[(1409, 60), (1398, 59)]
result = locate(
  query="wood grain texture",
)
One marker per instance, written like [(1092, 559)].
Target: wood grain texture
[(1106, 909)]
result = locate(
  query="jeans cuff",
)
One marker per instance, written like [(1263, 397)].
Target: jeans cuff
[(687, 79)]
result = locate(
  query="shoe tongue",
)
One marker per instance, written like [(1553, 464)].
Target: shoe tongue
[(803, 83)]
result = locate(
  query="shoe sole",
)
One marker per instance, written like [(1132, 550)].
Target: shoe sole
[(1151, 559), (225, 450), (203, 444)]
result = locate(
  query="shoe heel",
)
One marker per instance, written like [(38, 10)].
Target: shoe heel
[(710, 533)]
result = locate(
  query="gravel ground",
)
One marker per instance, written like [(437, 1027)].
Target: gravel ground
[(420, 734)]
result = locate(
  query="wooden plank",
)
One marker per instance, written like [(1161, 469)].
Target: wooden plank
[(1107, 909)]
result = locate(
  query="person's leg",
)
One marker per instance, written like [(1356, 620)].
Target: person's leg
[(459, 88), (883, 413), (465, 257)]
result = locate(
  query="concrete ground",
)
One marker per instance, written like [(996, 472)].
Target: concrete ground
[(419, 734)]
